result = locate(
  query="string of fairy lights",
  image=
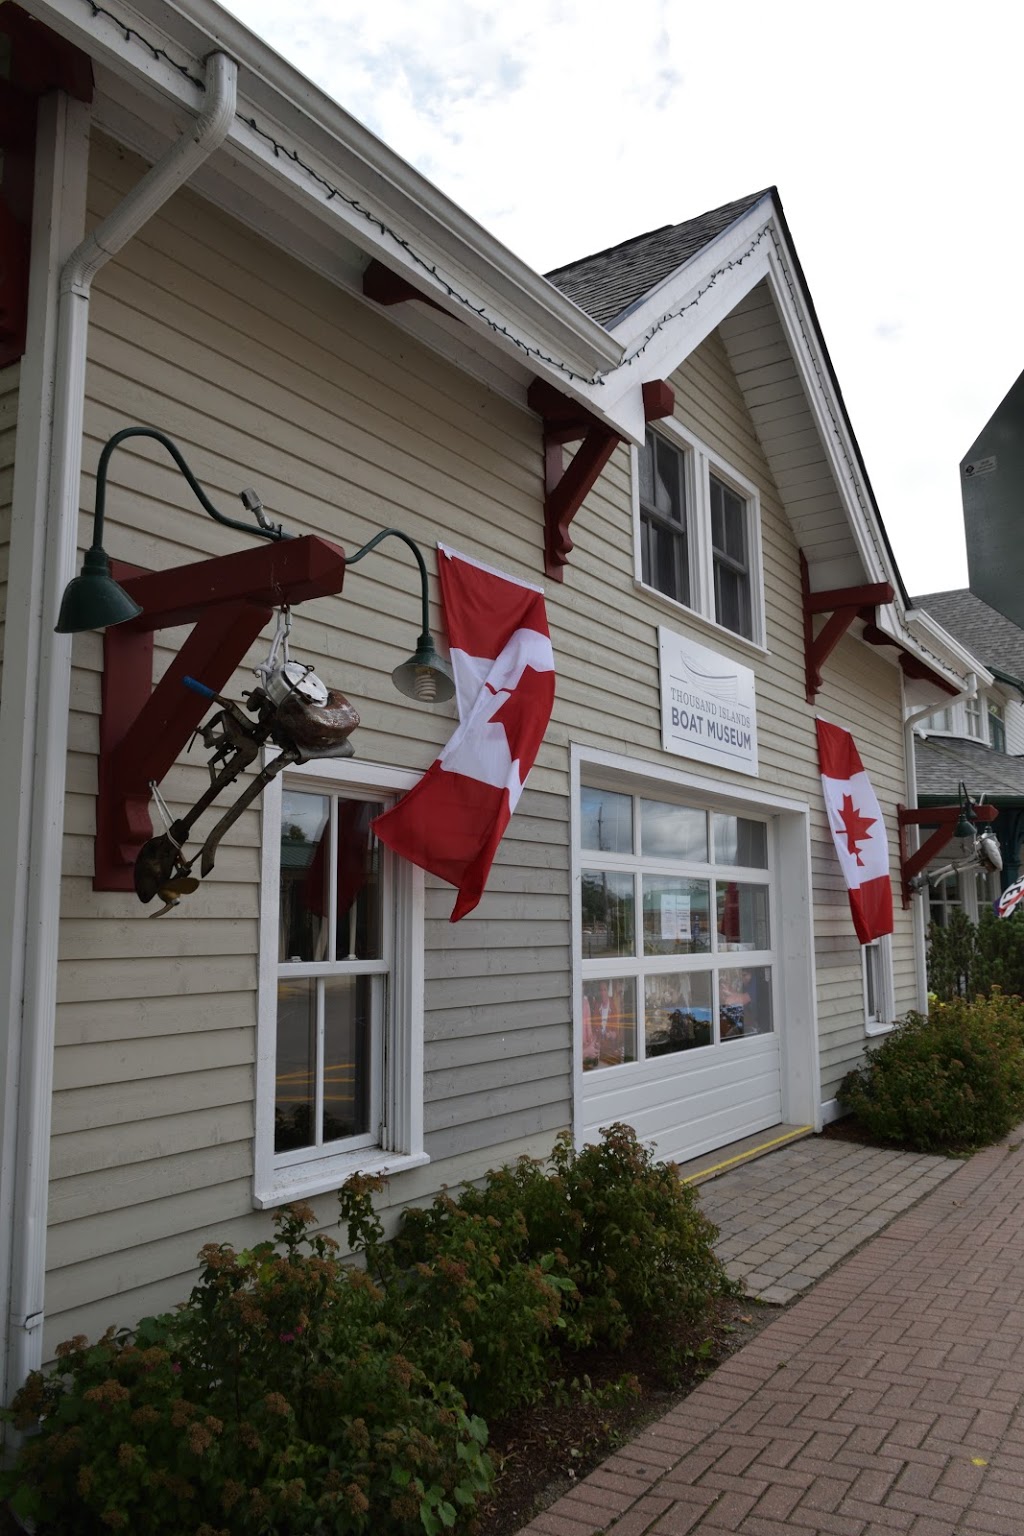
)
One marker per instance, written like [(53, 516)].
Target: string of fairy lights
[(331, 192)]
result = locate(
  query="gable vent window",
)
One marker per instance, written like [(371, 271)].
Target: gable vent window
[(697, 532)]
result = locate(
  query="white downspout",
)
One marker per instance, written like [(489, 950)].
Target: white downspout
[(27, 1220), (920, 948)]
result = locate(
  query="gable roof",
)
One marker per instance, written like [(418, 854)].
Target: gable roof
[(993, 638), (609, 283)]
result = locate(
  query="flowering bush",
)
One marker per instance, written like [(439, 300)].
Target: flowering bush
[(294, 1393), (278, 1400)]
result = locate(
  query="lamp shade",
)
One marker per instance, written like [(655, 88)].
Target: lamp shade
[(425, 676), (94, 600)]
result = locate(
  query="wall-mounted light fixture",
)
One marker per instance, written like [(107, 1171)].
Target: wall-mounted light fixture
[(978, 850), (228, 600)]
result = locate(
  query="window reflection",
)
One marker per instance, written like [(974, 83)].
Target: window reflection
[(359, 905), (670, 831), (677, 1012), (742, 915), (676, 915), (305, 871), (295, 1099), (740, 841), (606, 821), (744, 1002), (347, 1031), (609, 1022), (608, 910)]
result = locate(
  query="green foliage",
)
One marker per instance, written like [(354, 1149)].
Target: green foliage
[(277, 1400), (296, 1394), (624, 1241), (947, 1082), (967, 959)]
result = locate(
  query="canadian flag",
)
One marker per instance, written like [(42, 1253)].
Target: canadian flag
[(452, 821), (858, 831)]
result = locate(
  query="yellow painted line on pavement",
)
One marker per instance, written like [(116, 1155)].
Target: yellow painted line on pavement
[(742, 1157)]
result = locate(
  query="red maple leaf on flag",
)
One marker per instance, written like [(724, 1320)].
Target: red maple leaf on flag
[(526, 711), (856, 826)]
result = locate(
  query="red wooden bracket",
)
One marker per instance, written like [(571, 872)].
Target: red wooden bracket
[(386, 287), (911, 666), (565, 490), (843, 605), (944, 818), (143, 729)]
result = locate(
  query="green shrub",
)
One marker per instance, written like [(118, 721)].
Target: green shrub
[(618, 1225), (947, 1082), (968, 959), (294, 1393), (278, 1400)]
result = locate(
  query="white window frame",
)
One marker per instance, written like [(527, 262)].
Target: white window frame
[(795, 996), (995, 708), (877, 957), (699, 463), (278, 1178), (976, 717)]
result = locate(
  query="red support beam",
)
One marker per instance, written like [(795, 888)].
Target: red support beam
[(566, 489), (944, 819), (843, 605), (386, 287), (143, 729)]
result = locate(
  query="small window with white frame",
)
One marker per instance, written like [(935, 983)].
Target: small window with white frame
[(879, 1005), (996, 726), (974, 717), (698, 531), (340, 1071)]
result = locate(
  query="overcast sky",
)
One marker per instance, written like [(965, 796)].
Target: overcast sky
[(892, 131)]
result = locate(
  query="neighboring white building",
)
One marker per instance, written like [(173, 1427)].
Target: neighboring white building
[(976, 740), (302, 312)]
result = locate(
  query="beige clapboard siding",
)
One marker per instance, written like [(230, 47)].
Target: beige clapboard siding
[(267, 376), (322, 407)]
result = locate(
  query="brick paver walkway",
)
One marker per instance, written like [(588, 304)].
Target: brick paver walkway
[(890, 1399), (787, 1219)]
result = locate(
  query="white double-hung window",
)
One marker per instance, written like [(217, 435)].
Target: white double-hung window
[(340, 1060), (698, 531)]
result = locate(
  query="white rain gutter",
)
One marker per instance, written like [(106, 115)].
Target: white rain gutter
[(28, 1196)]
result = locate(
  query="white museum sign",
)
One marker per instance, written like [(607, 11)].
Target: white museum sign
[(708, 708)]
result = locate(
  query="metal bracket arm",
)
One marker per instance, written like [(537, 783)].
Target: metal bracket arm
[(143, 729), (944, 818)]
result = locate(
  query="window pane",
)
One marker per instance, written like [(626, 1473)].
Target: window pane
[(670, 831), (739, 841), (296, 1065), (348, 1019), (668, 486), (728, 522), (744, 1003), (872, 989), (609, 1022), (360, 896), (677, 1012), (676, 915), (997, 727), (606, 821), (742, 916), (305, 870), (732, 600), (608, 912), (667, 564)]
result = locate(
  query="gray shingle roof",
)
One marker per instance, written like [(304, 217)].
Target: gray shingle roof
[(997, 642), (609, 283), (944, 762)]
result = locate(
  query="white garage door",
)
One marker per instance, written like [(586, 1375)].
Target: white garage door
[(677, 1017)]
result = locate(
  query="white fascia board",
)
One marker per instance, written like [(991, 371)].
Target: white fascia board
[(501, 298), (961, 662), (702, 293)]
